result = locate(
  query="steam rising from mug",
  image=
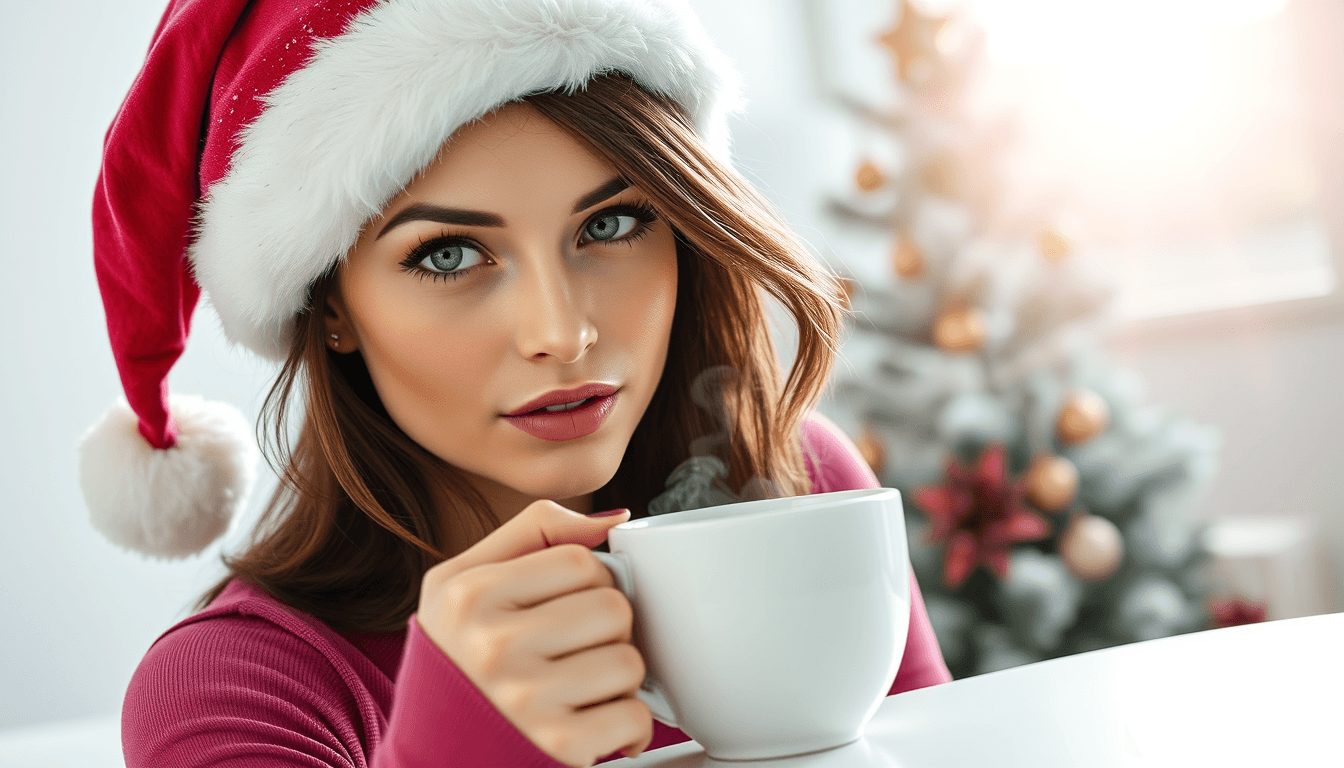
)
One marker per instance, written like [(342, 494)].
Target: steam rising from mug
[(702, 480)]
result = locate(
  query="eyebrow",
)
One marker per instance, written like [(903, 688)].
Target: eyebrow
[(469, 218), (601, 193), (441, 215)]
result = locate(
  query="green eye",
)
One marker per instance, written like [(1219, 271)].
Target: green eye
[(610, 226), (450, 259), (445, 259)]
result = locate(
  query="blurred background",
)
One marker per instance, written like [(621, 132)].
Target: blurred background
[(1094, 250)]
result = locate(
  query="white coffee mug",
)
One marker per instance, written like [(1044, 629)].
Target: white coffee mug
[(768, 628)]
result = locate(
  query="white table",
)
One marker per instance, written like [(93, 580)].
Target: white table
[(1260, 695)]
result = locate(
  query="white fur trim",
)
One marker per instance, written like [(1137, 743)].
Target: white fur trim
[(169, 503), (340, 137)]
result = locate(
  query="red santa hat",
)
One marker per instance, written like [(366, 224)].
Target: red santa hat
[(256, 141)]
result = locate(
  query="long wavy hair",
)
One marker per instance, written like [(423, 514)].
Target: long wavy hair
[(357, 518)]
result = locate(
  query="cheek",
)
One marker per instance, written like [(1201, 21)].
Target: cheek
[(640, 302), (429, 361)]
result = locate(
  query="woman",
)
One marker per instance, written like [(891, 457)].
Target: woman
[(494, 244)]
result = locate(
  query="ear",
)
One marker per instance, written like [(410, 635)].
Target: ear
[(340, 332)]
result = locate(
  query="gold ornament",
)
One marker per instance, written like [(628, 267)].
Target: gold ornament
[(913, 42), (1083, 417), (959, 329), (1054, 245), (868, 176), (1091, 547), (906, 258), (871, 449), (1052, 483), (943, 175)]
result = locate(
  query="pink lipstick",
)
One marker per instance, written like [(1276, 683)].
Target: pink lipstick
[(566, 414)]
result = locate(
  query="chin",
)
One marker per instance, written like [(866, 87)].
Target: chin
[(569, 477), (559, 491), (565, 485)]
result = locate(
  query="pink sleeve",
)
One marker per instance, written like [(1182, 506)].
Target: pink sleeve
[(834, 464), (240, 692), (440, 718)]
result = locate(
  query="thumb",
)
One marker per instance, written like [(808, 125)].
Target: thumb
[(540, 525)]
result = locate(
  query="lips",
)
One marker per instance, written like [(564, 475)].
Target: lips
[(562, 396), (558, 426)]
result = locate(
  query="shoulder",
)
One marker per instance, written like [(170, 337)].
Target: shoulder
[(245, 626), (833, 461), (238, 675), (208, 650)]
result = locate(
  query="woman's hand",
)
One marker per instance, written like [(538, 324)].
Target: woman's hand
[(534, 620)]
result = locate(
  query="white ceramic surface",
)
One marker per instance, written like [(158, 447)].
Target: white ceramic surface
[(1256, 696), (770, 627)]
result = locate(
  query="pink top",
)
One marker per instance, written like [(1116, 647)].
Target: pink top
[(250, 681)]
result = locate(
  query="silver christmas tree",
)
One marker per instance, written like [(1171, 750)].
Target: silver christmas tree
[(1047, 501)]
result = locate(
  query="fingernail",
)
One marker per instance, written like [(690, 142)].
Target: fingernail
[(609, 512)]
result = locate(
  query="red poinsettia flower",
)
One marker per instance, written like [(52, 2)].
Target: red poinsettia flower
[(1231, 612), (980, 513)]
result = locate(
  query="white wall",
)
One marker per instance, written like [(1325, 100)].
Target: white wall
[(1276, 390), (76, 614), (1272, 377)]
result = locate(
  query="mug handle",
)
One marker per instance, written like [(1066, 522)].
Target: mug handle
[(651, 692)]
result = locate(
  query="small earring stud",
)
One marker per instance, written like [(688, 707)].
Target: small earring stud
[(335, 338)]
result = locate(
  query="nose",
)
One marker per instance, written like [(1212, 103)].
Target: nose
[(553, 313)]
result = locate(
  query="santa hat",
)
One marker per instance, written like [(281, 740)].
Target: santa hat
[(256, 141)]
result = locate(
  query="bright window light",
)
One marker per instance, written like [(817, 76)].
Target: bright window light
[(1177, 130)]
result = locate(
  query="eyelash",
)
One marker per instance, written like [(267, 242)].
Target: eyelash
[(642, 213), (427, 246)]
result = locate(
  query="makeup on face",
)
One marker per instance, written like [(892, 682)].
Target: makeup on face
[(530, 366), (565, 420)]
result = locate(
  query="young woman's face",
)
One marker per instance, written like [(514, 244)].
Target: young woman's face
[(517, 265)]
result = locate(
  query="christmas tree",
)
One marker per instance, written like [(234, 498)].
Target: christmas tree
[(1047, 502)]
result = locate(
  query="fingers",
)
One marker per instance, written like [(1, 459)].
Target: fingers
[(583, 707), (600, 674), (537, 577), (542, 524), (532, 618), (554, 572), (626, 723), (607, 618), (591, 734)]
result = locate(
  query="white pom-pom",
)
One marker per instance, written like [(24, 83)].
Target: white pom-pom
[(170, 503)]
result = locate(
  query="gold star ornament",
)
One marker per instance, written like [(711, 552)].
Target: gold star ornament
[(913, 42)]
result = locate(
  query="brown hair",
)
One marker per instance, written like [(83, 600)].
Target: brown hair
[(354, 524)]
